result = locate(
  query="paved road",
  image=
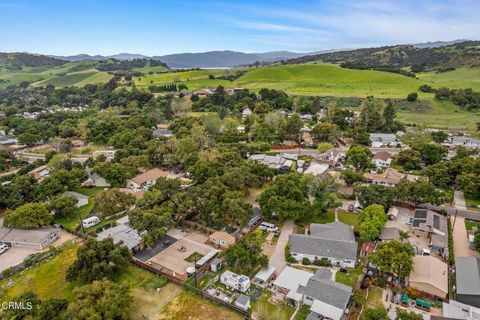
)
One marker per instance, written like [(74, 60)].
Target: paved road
[(277, 260), (459, 200), (467, 214), (460, 240)]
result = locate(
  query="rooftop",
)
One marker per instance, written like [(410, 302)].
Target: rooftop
[(430, 270), (468, 275)]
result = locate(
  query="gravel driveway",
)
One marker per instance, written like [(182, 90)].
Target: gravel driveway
[(277, 260)]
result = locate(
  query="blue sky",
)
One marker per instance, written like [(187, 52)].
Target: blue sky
[(163, 27)]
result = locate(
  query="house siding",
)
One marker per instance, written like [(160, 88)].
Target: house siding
[(342, 263)]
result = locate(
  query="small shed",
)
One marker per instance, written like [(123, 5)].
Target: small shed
[(243, 302), (392, 213), (216, 265)]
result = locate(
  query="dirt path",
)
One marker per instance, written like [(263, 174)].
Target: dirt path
[(460, 239), (459, 200), (278, 258)]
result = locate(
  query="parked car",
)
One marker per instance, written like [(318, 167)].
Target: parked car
[(265, 226), (90, 222), (3, 248)]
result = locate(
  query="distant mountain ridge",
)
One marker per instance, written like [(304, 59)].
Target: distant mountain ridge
[(404, 59)]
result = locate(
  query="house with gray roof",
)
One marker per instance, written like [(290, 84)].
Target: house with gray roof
[(326, 297), (36, 238), (468, 280), (334, 241), (123, 233), (383, 139), (432, 225), (95, 180)]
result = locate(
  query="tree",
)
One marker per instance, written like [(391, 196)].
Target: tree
[(63, 205), (404, 235), (97, 260), (102, 299), (393, 257), (153, 223), (52, 308), (431, 153), (412, 96), (375, 194), (439, 136), (287, 196), (360, 158), (476, 241), (29, 215), (371, 118), (372, 220), (246, 255), (408, 315), (420, 191), (352, 177), (409, 159), (112, 201), (379, 313), (324, 195), (236, 211), (29, 301), (326, 131), (389, 115)]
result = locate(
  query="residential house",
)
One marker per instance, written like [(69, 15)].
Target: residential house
[(123, 233), (429, 275), (222, 239), (392, 213), (203, 92), (382, 159), (332, 157), (82, 200), (383, 140), (39, 173), (326, 298), (5, 141), (432, 225), (247, 112), (162, 133), (282, 161), (306, 117), (334, 241), (457, 310), (464, 141), (95, 180), (36, 238), (389, 178), (148, 178), (138, 194), (468, 280), (234, 281), (316, 169)]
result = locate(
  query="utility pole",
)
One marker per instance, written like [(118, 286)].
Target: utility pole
[(195, 273)]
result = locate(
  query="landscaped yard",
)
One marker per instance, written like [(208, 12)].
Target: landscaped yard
[(374, 299), (302, 314), (350, 277), (470, 224), (267, 310)]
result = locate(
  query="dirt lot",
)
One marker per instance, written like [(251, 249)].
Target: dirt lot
[(460, 239), (150, 303), (173, 258)]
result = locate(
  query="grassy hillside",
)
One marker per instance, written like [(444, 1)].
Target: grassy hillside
[(458, 79)]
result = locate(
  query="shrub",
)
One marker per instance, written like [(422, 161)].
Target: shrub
[(306, 262), (324, 262)]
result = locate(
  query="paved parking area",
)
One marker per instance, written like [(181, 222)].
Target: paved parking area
[(173, 257), (14, 256)]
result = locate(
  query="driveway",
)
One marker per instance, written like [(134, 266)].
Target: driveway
[(277, 260), (459, 200), (460, 239), (14, 256)]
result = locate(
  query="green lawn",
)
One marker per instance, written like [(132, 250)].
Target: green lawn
[(457, 79), (302, 314), (267, 310), (349, 218), (73, 220), (472, 202), (194, 256), (374, 299), (49, 278), (350, 277), (470, 224)]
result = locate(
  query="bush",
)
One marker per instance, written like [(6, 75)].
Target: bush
[(324, 262), (306, 262), (412, 96)]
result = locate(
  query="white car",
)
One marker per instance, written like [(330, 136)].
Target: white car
[(3, 248)]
